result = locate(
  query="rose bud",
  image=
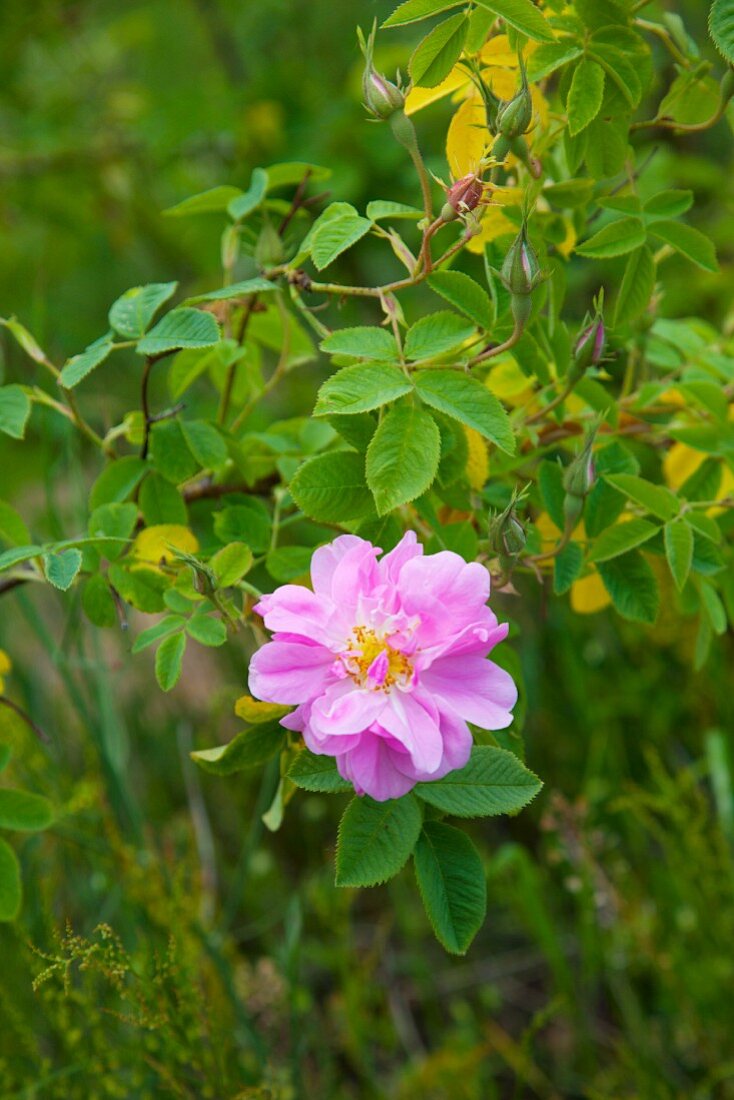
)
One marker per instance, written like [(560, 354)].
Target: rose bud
[(515, 115), (578, 479), (382, 98), (462, 196)]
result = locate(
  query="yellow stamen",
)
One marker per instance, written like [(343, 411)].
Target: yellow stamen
[(365, 646)]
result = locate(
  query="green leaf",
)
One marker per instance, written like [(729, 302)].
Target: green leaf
[(161, 502), (244, 204), (317, 773), (24, 811), (522, 15), (15, 408), (157, 632), (366, 342), (616, 239), (465, 294), (79, 366), (436, 334), (621, 70), (688, 241), (207, 630), (386, 208), (402, 458), (12, 526), (631, 583), (335, 235), (231, 563), (115, 521), (493, 782), (5, 754), (168, 661), (714, 608), (584, 95), (237, 290), (617, 540), (170, 454), (181, 328), (215, 200), (452, 884), (376, 839), (637, 286), (248, 521), (721, 28), (249, 749), (412, 11), (549, 57), (141, 588), (679, 550), (117, 481), (205, 443), (10, 887), (18, 554), (466, 399), (654, 498), (289, 562), (668, 204), (98, 602), (290, 172), (131, 314), (62, 568), (26, 340), (434, 57), (361, 388), (567, 567), (332, 487)]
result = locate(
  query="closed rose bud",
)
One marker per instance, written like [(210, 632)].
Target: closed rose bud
[(462, 197), (520, 271), (578, 479), (507, 535), (590, 344), (382, 98), (515, 115)]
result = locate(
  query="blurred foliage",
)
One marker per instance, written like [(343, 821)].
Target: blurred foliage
[(175, 949)]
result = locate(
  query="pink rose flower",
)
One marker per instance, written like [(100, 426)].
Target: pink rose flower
[(385, 661)]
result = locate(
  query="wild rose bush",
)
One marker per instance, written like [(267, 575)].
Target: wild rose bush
[(542, 421)]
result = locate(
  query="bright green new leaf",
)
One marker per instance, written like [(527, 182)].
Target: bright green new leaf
[(364, 342), (168, 625), (437, 334), (62, 568), (12, 526), (358, 389), (402, 458), (117, 481), (15, 408), (244, 204), (131, 314), (523, 15), (332, 487), (79, 366), (207, 630), (465, 294), (668, 204), (205, 443), (237, 290), (617, 540), (231, 563), (181, 328), (493, 782), (690, 242), (335, 235), (679, 550), (584, 95), (465, 399), (616, 239), (376, 839), (434, 57), (168, 661), (380, 209), (213, 201), (653, 498), (452, 884), (412, 11), (551, 56), (637, 286)]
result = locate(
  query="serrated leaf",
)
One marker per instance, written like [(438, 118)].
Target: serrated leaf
[(290, 172), (79, 366), (465, 399), (452, 884), (551, 56), (523, 15), (237, 290), (668, 204), (585, 95), (714, 608), (133, 311), (207, 630), (12, 526), (678, 538), (255, 711), (335, 235), (361, 388), (376, 839), (15, 408), (616, 239), (637, 286), (18, 554), (214, 200), (62, 568), (332, 487), (363, 342), (117, 481), (402, 458), (690, 242), (617, 540), (288, 562), (434, 57), (158, 632), (653, 498), (437, 334), (249, 749), (24, 811), (248, 521), (412, 11), (181, 328), (631, 583), (493, 782), (249, 200), (721, 28), (231, 563), (621, 70), (161, 502), (205, 443), (317, 773), (168, 661), (465, 294), (380, 209), (10, 886), (567, 567)]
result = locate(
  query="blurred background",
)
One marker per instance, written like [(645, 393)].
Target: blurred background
[(234, 968)]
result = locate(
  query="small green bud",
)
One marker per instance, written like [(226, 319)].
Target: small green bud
[(230, 247), (382, 98), (515, 115), (507, 535), (269, 246), (520, 271), (578, 479), (589, 348)]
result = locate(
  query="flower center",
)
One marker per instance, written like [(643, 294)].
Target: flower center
[(372, 662)]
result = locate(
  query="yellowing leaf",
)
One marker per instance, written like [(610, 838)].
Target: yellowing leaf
[(154, 544), (498, 52), (467, 138), (567, 245), (589, 595), (254, 711), (418, 98), (507, 196), (477, 462), (508, 382), (679, 463), (494, 224), (5, 667)]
